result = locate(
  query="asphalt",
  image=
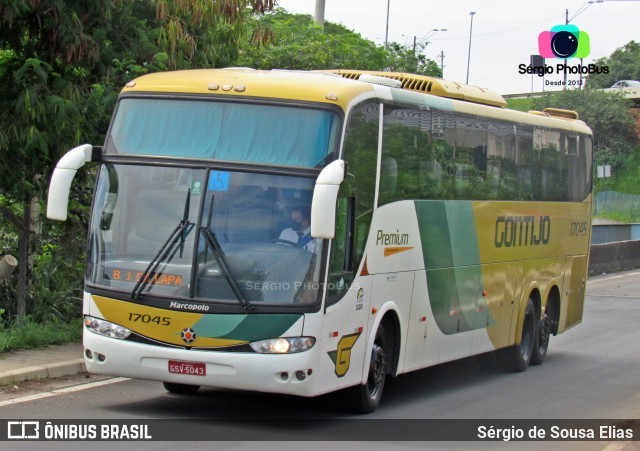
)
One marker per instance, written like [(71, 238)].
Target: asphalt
[(41, 363)]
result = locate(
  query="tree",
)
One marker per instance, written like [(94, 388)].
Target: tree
[(62, 63), (607, 114), (402, 58), (623, 64), (294, 41)]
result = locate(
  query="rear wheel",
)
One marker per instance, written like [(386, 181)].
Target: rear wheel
[(517, 357), (543, 334), (366, 397), (180, 389)]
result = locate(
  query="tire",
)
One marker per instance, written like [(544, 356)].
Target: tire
[(517, 358), (365, 398), (543, 334), (181, 389)]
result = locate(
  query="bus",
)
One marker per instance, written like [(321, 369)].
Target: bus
[(307, 232)]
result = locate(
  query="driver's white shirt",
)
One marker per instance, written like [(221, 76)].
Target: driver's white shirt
[(291, 235)]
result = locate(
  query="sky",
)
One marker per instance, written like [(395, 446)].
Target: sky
[(503, 36)]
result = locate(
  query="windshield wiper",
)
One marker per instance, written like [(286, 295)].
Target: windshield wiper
[(167, 250), (222, 261)]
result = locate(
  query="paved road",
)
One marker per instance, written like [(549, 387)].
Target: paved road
[(591, 371)]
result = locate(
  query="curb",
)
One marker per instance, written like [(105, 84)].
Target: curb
[(43, 371)]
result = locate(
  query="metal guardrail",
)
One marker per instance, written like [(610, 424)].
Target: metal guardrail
[(612, 201)]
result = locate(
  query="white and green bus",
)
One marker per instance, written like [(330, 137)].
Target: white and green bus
[(307, 232)]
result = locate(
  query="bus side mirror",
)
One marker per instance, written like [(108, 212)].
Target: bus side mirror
[(325, 196), (61, 179)]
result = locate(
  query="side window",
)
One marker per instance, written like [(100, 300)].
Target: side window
[(355, 198), (471, 158), (524, 152), (501, 160), (579, 167)]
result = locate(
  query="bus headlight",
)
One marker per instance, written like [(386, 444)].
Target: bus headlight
[(106, 328), (283, 345)]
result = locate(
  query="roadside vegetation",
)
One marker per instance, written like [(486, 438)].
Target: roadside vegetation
[(61, 68)]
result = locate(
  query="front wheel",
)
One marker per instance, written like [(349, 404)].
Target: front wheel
[(366, 397)]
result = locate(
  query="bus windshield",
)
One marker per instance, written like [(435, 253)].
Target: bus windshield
[(213, 235), (227, 131)]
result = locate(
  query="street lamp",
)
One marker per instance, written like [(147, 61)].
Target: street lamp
[(431, 33), (386, 33), (472, 13), (582, 9)]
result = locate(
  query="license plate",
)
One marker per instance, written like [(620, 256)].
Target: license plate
[(191, 368)]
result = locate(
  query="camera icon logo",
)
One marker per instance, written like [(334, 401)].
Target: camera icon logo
[(563, 41)]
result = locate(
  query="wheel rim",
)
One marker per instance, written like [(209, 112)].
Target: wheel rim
[(377, 371)]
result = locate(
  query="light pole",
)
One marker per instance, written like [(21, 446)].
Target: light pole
[(319, 13), (582, 9), (472, 13), (386, 33)]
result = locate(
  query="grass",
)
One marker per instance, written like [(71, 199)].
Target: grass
[(27, 334)]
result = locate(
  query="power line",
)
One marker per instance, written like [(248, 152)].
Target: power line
[(502, 31)]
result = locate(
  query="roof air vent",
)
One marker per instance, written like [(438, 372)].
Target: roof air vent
[(384, 81)]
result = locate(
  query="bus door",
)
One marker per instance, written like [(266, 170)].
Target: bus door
[(575, 281), (344, 334)]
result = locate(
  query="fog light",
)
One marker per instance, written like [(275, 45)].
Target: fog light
[(88, 354), (101, 357), (301, 375), (284, 376)]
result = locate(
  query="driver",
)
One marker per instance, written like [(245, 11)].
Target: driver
[(299, 232)]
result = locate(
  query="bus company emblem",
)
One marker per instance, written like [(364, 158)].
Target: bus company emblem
[(513, 231), (342, 356), (188, 335)]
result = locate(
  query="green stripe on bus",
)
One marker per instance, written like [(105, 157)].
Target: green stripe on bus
[(452, 261), (245, 327)]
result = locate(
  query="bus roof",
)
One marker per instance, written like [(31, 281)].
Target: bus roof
[(245, 82), (433, 86), (340, 87)]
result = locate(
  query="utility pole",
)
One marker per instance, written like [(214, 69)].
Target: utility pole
[(319, 16), (386, 32), (472, 13), (441, 56)]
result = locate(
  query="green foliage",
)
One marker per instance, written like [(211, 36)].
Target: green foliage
[(281, 40), (62, 64), (402, 58), (624, 180), (293, 41), (623, 63), (608, 115), (28, 333)]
